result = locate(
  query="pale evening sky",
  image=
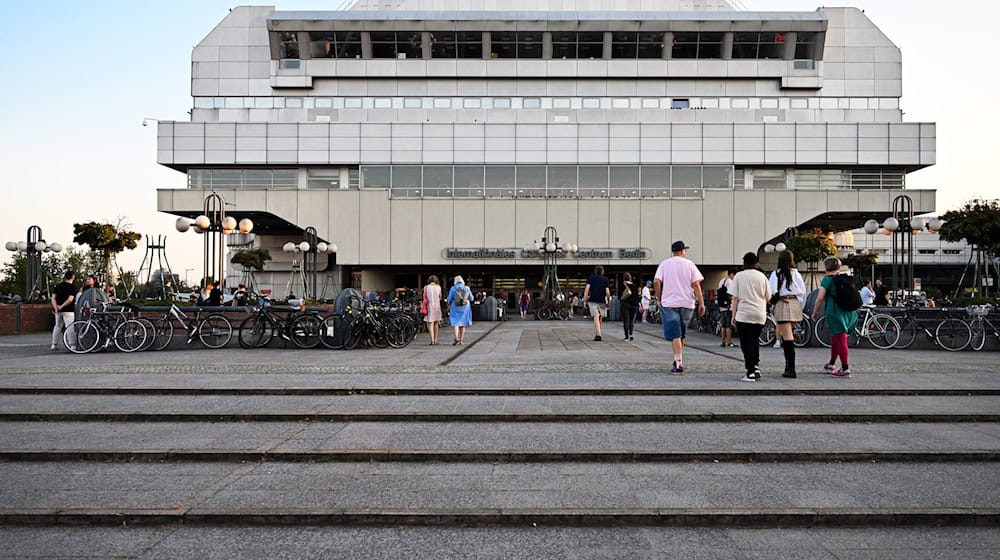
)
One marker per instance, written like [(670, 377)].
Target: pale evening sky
[(85, 74)]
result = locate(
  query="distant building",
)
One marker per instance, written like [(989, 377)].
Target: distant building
[(442, 136)]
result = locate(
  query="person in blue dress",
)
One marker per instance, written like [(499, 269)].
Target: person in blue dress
[(460, 309)]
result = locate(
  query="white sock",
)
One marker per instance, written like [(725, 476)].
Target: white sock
[(678, 359)]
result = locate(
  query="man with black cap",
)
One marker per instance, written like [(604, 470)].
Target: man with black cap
[(677, 285), (750, 292)]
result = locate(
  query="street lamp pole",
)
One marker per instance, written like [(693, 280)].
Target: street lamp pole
[(33, 247), (551, 250), (215, 225)]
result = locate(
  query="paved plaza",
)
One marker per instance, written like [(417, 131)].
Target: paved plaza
[(531, 441)]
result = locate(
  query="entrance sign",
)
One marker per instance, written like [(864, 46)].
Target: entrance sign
[(457, 253)]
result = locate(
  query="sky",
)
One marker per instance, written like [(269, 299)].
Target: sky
[(85, 74)]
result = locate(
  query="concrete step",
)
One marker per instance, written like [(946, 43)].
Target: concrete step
[(384, 437), (516, 494)]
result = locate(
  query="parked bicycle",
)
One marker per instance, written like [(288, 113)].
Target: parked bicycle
[(879, 329), (981, 326), (802, 332), (98, 329), (290, 324), (950, 333), (214, 331)]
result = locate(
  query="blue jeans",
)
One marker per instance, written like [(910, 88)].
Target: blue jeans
[(675, 321)]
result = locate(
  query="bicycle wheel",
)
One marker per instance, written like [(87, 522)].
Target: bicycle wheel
[(953, 334), (882, 331), (802, 332), (378, 334), (908, 330), (821, 331), (163, 329), (766, 337), (215, 331), (150, 334), (544, 314), (331, 333), (81, 337), (401, 331), (255, 332), (563, 315), (978, 329), (129, 336), (304, 330)]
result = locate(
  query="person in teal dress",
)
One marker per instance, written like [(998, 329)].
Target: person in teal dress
[(839, 321), (460, 309)]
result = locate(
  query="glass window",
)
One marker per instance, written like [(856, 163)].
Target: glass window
[(472, 103), (293, 102), (717, 177), (442, 103), (772, 45), (500, 181), (234, 103), (678, 103), (375, 176), (532, 103), (562, 181), (768, 178), (352, 103), (530, 181), (469, 181), (203, 103), (650, 45), (503, 44), (501, 103), (591, 103), (406, 181), (741, 103), (800, 103), (324, 103), (768, 103), (469, 44), (710, 103), (650, 103), (593, 181), (411, 103), (200, 179), (563, 44), (619, 103), (285, 178), (529, 44), (624, 44), (745, 45), (655, 181), (805, 46), (685, 181), (443, 44), (624, 181), (258, 178), (438, 181), (685, 45), (710, 45), (319, 178), (560, 103), (383, 102)]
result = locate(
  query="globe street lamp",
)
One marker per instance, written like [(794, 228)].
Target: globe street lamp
[(33, 247), (310, 248), (551, 249), (215, 225), (903, 226)]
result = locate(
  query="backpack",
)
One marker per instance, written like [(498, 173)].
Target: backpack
[(461, 296), (722, 297), (845, 295)]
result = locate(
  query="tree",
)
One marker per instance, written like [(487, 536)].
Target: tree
[(253, 259), (861, 263), (977, 223), (106, 238), (812, 246)]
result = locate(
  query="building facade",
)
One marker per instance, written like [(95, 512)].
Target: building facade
[(433, 137)]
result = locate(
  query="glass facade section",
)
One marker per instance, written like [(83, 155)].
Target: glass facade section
[(340, 44), (231, 179)]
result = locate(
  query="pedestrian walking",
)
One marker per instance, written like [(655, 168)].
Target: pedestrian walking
[(677, 286), (597, 294), (724, 299), (460, 309), (789, 294), (431, 308), (63, 306), (751, 293), (838, 320), (647, 298), (525, 303), (628, 300)]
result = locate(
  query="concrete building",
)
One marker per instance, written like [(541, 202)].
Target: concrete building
[(435, 137)]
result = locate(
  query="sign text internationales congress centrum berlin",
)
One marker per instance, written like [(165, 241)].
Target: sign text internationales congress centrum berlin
[(509, 254)]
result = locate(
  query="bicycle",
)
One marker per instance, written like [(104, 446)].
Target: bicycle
[(951, 333), (978, 324), (98, 329), (802, 332), (214, 331), (879, 329), (300, 328), (552, 310)]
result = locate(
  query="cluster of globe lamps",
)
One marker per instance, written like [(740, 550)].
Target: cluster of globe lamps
[(202, 223), (304, 247), (551, 247), (915, 225), (39, 247)]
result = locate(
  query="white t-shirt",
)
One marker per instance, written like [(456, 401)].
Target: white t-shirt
[(677, 275), (798, 287), (646, 296), (751, 287)]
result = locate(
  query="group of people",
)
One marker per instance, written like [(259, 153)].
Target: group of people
[(743, 297), (459, 302), (66, 300)]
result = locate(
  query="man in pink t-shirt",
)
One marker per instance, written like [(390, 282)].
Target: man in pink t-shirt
[(677, 285)]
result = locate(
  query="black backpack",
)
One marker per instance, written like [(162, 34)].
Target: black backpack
[(723, 297), (846, 296)]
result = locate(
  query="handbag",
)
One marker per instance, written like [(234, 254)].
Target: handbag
[(423, 305)]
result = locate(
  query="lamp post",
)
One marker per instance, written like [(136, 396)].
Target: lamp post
[(902, 226), (310, 248), (33, 247), (551, 249), (790, 232), (215, 225)]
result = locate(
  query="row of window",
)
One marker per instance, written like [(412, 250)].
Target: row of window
[(565, 45), (855, 103)]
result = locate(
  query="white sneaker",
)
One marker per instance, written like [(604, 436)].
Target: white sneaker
[(777, 343), (53, 347), (746, 377)]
